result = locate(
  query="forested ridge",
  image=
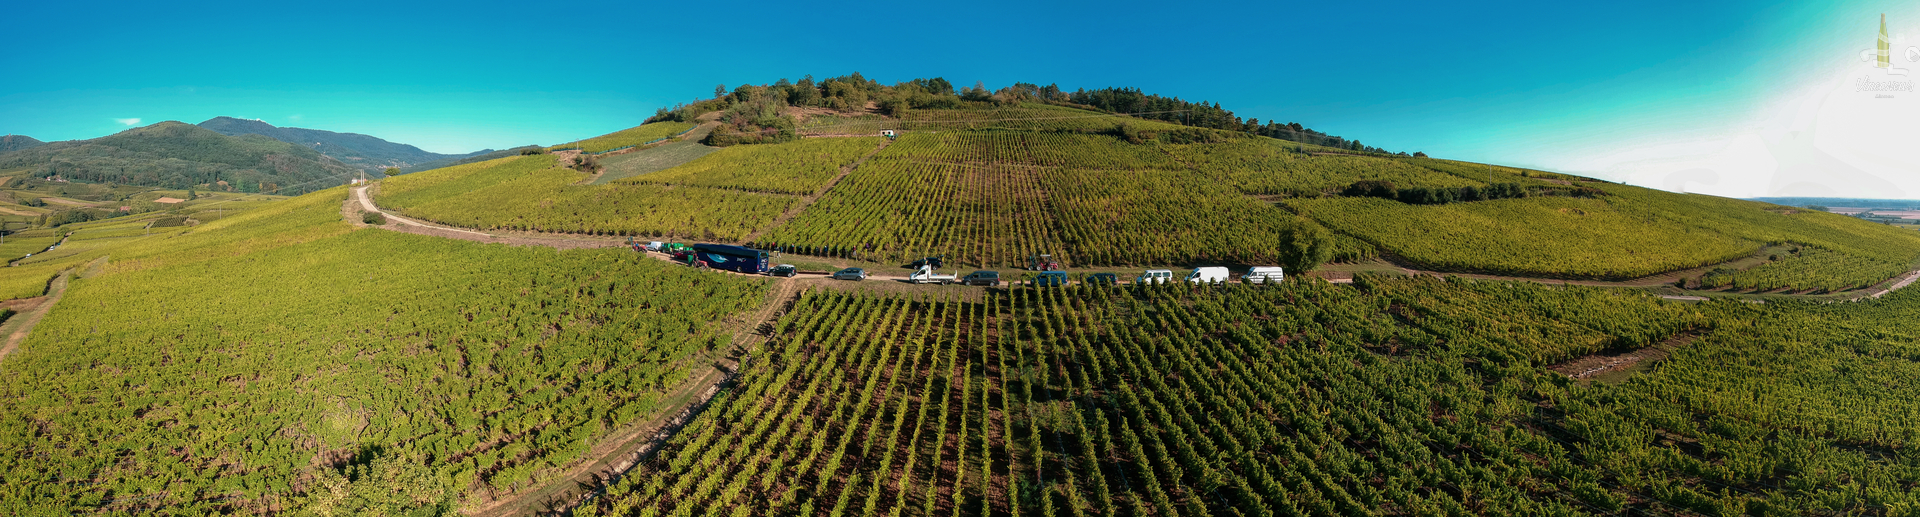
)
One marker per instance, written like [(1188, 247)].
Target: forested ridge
[(177, 155)]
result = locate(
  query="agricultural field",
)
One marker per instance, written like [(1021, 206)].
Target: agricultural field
[(992, 198), (801, 167), (263, 364), (1032, 117), (533, 193), (628, 137), (1416, 396), (1268, 167), (1628, 232), (650, 160), (1806, 268), (1541, 236)]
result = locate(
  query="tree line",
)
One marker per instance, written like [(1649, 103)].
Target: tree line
[(754, 113)]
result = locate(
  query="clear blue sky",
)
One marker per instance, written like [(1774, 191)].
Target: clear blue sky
[(1512, 82)]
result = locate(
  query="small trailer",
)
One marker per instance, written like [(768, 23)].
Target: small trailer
[(926, 275)]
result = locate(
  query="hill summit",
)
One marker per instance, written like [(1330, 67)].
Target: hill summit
[(17, 142), (362, 152), (179, 155)]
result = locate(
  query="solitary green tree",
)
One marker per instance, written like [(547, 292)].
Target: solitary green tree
[(1304, 246), (392, 171)]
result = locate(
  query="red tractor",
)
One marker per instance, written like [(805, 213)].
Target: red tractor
[(1042, 263)]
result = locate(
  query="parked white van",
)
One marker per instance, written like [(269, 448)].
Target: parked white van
[(1207, 275), (1155, 276), (1264, 274)]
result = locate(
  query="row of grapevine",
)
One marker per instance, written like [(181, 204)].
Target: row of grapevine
[(798, 168), (1029, 117), (468, 371), (1806, 268), (1542, 236), (532, 193), (993, 198), (1415, 396), (1263, 166)]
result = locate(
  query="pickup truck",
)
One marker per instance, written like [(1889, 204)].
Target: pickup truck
[(926, 275)]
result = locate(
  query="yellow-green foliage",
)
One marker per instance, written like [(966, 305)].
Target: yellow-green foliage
[(627, 137), (800, 167), (531, 193), (1264, 166), (235, 363), (1586, 238), (1807, 268), (994, 198)]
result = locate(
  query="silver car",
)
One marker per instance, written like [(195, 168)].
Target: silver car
[(852, 273)]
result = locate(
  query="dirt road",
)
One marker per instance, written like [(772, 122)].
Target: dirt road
[(28, 312)]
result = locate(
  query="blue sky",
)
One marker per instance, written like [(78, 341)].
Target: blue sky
[(1563, 87)]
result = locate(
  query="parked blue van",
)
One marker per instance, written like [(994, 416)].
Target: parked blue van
[(1051, 279)]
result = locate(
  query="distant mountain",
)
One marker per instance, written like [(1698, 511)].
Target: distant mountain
[(360, 151), (178, 155), (17, 142)]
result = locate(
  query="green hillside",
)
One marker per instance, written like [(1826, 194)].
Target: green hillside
[(267, 355), (991, 183), (17, 142), (177, 155), (253, 357), (645, 133), (363, 152)]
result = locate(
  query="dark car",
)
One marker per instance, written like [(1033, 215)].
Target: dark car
[(1051, 279), (936, 262), (783, 270), (986, 278), (852, 273), (1102, 279)]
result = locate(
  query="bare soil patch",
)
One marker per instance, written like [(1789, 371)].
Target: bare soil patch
[(1618, 366), (169, 200)]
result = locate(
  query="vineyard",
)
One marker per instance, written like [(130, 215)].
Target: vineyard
[(281, 361), (1264, 166), (1401, 397), (991, 198), (643, 134), (1628, 232), (1806, 268), (797, 168), (1034, 117), (532, 193), (1541, 236)]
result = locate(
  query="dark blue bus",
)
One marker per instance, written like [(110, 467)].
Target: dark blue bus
[(732, 258)]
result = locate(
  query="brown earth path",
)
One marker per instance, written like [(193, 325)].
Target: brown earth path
[(28, 312)]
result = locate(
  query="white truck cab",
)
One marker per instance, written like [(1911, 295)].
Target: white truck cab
[(1205, 275), (1155, 276), (1264, 274)]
